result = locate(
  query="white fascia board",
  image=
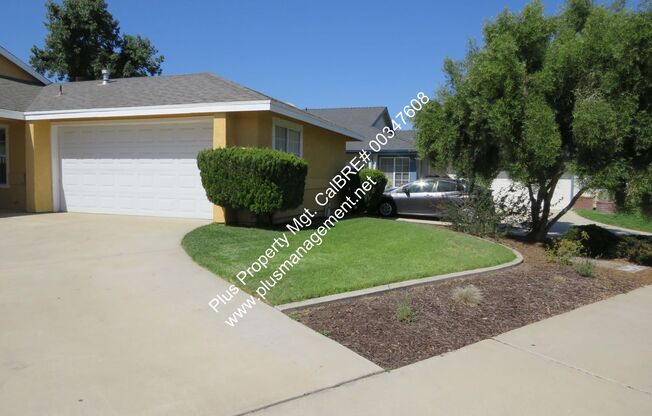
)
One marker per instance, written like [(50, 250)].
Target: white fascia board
[(176, 109), (289, 111), (14, 115), (22, 65)]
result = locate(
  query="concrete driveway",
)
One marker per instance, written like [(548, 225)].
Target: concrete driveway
[(106, 315)]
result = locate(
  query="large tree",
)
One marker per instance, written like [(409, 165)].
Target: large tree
[(83, 38), (546, 95)]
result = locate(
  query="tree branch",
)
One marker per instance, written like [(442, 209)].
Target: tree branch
[(566, 208)]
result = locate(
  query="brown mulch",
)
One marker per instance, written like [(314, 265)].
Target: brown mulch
[(530, 292)]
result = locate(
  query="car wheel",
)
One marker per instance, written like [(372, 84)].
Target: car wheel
[(387, 209)]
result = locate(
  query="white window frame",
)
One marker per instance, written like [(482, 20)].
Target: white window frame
[(288, 125), (393, 158), (6, 129)]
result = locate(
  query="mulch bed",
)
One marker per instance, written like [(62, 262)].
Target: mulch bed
[(530, 292)]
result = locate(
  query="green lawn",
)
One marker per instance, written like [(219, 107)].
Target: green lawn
[(356, 253), (633, 221)]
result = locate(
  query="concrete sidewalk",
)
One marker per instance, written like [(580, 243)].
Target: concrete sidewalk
[(595, 360)]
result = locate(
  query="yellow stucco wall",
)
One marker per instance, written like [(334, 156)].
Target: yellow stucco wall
[(38, 164), (323, 149), (12, 197), (9, 69)]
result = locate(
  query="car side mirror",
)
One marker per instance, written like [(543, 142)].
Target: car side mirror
[(407, 191)]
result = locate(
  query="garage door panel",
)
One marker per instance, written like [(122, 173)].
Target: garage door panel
[(135, 170)]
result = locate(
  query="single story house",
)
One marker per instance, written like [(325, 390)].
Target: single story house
[(129, 146), (398, 159)]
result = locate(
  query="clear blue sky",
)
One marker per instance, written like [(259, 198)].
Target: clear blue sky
[(313, 54)]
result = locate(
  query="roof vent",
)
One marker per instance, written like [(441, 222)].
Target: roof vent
[(105, 76)]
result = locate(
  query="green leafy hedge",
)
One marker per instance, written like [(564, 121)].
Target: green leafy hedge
[(372, 198), (261, 181), (602, 243)]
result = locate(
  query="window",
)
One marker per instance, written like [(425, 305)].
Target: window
[(397, 170), (4, 156), (287, 137), (446, 186), (421, 186)]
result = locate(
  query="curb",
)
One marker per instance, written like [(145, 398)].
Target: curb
[(398, 285)]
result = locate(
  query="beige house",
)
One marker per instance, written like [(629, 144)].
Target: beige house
[(128, 146)]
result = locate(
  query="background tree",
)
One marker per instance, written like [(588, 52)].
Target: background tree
[(546, 95), (83, 38)]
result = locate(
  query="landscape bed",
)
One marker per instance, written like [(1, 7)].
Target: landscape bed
[(530, 292), (357, 253)]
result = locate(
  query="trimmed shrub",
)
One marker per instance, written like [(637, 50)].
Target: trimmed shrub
[(597, 241), (371, 199), (261, 181)]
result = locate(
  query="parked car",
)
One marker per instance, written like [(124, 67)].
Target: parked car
[(427, 197)]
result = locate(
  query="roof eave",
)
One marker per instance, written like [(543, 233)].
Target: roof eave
[(182, 109), (11, 114), (290, 111), (22, 65)]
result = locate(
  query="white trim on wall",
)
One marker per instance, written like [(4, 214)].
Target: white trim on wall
[(289, 111), (8, 184), (22, 65), (14, 115), (175, 109)]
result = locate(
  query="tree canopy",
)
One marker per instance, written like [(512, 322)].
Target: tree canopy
[(83, 38), (546, 95)]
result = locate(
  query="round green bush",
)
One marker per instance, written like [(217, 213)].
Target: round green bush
[(371, 199), (261, 181)]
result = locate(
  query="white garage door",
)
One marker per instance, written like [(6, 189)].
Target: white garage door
[(135, 169)]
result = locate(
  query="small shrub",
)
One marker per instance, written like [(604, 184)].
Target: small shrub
[(475, 214), (404, 311), (585, 267), (326, 332), (559, 278), (635, 249), (261, 181), (469, 295), (563, 251), (597, 241), (371, 199)]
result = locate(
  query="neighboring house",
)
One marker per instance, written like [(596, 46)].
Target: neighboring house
[(398, 159), (129, 146), (567, 187)]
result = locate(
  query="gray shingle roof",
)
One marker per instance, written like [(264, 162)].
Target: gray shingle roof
[(143, 91), (16, 95), (361, 120), (358, 119)]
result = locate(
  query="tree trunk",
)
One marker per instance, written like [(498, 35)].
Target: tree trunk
[(540, 230)]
